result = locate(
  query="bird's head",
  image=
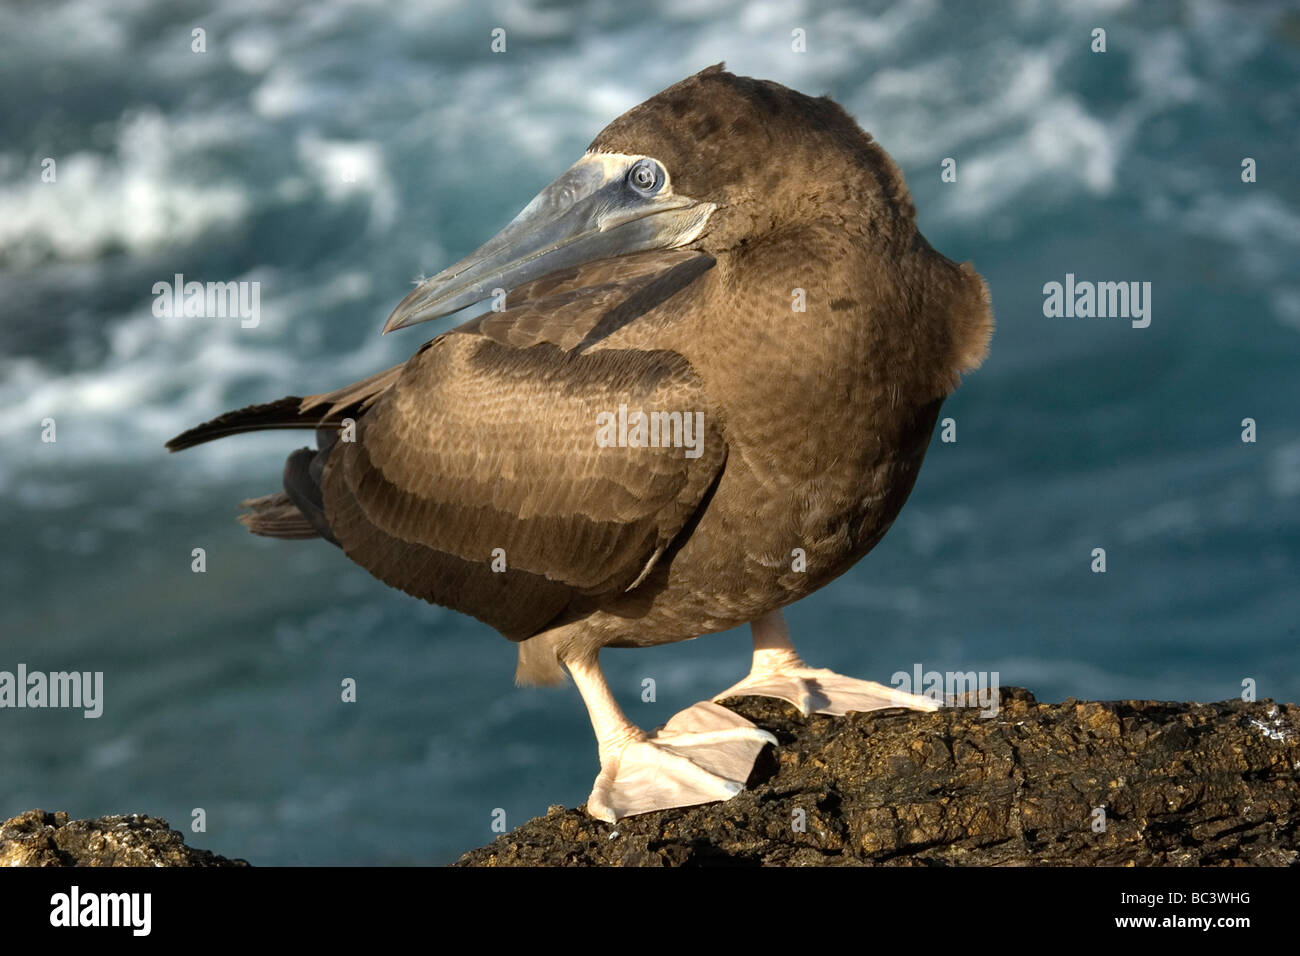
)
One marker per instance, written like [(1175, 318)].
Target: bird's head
[(715, 163), (766, 158)]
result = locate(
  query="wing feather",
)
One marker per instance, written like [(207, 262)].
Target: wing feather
[(479, 446), (487, 439)]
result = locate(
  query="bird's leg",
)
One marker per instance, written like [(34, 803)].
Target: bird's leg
[(778, 671), (704, 753)]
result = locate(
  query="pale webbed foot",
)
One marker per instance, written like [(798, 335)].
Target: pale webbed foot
[(818, 690), (703, 754), (778, 671)]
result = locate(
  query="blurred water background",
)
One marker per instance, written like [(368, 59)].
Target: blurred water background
[(335, 150)]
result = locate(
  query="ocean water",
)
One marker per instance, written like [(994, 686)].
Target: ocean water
[(334, 151)]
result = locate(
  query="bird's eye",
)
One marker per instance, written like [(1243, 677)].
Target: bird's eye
[(646, 177)]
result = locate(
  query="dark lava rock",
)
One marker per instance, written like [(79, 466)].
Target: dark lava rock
[(1178, 784), (1128, 783), (37, 838)]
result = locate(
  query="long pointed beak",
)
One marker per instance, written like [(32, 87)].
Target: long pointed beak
[(591, 212)]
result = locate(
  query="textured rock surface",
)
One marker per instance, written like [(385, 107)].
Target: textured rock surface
[(37, 838), (1180, 784)]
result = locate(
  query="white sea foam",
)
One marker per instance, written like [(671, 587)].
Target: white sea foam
[(161, 376), (345, 168), (136, 196)]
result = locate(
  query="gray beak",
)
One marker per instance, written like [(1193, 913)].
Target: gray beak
[(605, 205)]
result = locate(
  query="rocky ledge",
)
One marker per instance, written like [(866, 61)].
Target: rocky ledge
[(37, 838), (1127, 783)]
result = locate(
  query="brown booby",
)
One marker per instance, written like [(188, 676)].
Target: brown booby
[(717, 351)]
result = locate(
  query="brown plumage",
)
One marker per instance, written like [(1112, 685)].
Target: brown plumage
[(815, 421)]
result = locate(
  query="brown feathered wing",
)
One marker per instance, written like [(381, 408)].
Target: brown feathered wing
[(475, 478)]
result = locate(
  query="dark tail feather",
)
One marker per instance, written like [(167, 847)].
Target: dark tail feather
[(313, 411), (280, 414), (276, 516), (299, 510)]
